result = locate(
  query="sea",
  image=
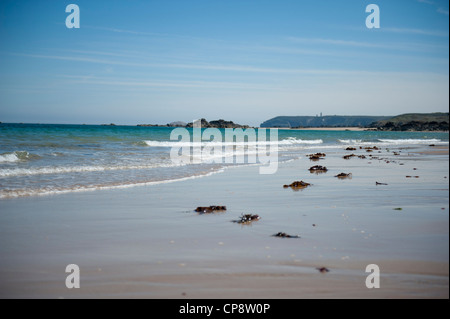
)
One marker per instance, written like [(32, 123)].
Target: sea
[(51, 159)]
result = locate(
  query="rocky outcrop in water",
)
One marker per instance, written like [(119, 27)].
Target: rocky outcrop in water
[(218, 124), (210, 209), (247, 219), (297, 185), (284, 235)]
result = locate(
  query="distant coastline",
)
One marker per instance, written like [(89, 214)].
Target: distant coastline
[(428, 122), (410, 122)]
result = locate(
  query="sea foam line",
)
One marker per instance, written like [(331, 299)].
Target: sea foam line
[(10, 172), (394, 142), (85, 188), (289, 141), (412, 141)]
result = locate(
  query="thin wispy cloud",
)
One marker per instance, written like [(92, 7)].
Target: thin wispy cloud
[(443, 11), (148, 34), (137, 83), (116, 30), (356, 44), (204, 67), (337, 42), (426, 1), (211, 67), (434, 33), (439, 9), (410, 47)]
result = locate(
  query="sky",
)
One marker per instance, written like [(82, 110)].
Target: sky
[(155, 62)]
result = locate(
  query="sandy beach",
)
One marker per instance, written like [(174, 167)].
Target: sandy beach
[(147, 242), (224, 150)]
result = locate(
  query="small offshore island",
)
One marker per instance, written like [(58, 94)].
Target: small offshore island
[(205, 124)]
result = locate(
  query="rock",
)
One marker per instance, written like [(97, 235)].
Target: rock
[(415, 126), (284, 235), (247, 219), (210, 209), (318, 169), (350, 149), (348, 156), (344, 175), (177, 124), (297, 185), (317, 156), (218, 124), (323, 270)]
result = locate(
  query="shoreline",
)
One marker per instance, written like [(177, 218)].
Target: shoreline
[(147, 242), (352, 129)]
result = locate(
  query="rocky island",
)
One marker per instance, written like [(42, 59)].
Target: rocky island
[(205, 124)]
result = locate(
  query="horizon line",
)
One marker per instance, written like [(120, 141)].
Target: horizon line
[(156, 124)]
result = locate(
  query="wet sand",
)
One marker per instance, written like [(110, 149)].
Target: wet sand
[(147, 242)]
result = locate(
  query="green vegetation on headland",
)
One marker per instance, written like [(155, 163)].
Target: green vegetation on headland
[(322, 121), (414, 122), (404, 122)]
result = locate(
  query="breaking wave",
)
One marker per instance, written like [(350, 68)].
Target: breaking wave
[(394, 141), (16, 156), (288, 141)]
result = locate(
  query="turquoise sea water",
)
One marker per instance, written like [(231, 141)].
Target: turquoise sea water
[(42, 159)]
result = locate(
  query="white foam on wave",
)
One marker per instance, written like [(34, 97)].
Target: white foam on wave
[(350, 141), (288, 141), (412, 141), (220, 156), (386, 142), (76, 169), (9, 158), (15, 156)]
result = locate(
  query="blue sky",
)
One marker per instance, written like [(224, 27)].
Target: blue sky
[(136, 62)]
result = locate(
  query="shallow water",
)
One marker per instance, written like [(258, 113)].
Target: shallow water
[(50, 159)]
